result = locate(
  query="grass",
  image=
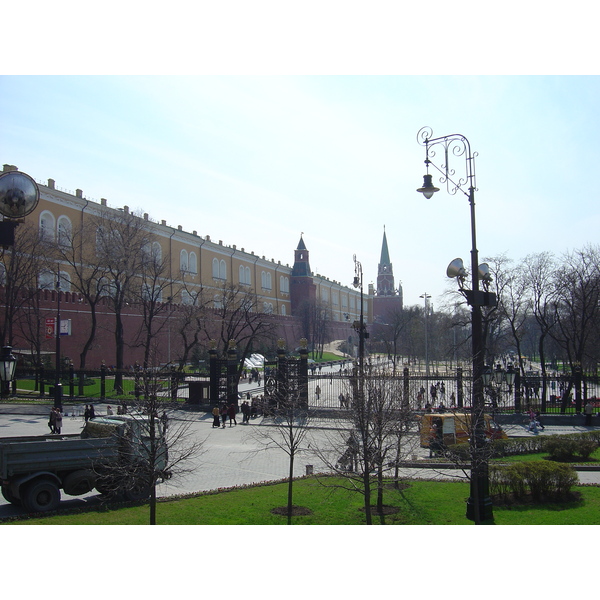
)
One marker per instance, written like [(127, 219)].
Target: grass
[(421, 503)]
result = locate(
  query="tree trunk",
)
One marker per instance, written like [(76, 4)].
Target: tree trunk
[(290, 484)]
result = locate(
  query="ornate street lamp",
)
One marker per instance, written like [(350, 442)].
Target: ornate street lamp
[(479, 505), (360, 326), (8, 364)]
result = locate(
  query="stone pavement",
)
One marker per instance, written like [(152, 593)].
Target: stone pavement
[(233, 456)]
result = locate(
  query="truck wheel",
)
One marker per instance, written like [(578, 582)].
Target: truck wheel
[(139, 491), (8, 496), (79, 482), (40, 496)]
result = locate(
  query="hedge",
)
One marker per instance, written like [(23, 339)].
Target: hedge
[(540, 478)]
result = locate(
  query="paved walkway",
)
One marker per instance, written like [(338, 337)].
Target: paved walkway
[(233, 456)]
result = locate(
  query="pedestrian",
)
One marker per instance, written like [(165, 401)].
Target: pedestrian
[(538, 419), (86, 413), (342, 400), (216, 417), (57, 420), (317, 392), (434, 445), (231, 413), (245, 412), (92, 411), (52, 420), (223, 412), (109, 410), (588, 412)]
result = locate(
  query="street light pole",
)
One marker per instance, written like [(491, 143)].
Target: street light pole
[(57, 383), (479, 505), (358, 282), (426, 298)]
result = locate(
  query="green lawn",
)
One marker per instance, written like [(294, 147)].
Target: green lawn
[(421, 503)]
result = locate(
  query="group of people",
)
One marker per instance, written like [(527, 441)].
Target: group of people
[(55, 420), (220, 415), (535, 420)]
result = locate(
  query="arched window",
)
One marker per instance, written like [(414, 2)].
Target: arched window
[(156, 251), (284, 285), (65, 281), (265, 279), (244, 275), (283, 311), (215, 268), (183, 261), (47, 226), (222, 270), (193, 263), (65, 231), (47, 280)]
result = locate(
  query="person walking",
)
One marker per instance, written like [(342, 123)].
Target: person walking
[(216, 417), (92, 411), (223, 412), (588, 412), (52, 420), (232, 412), (86, 413), (57, 420), (317, 392)]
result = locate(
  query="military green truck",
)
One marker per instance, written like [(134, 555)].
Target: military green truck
[(111, 455)]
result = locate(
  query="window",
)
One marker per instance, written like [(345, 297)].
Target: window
[(183, 261), (218, 301), (265, 279), (283, 311), (47, 225), (325, 294), (65, 231), (193, 263), (244, 275), (156, 251), (219, 269), (65, 281), (284, 285), (334, 298), (268, 308), (47, 280)]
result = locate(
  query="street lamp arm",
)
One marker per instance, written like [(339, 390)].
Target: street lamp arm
[(456, 145)]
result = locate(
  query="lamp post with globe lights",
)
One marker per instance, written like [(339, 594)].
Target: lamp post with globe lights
[(479, 505)]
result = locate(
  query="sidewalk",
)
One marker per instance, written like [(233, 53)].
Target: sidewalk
[(233, 456)]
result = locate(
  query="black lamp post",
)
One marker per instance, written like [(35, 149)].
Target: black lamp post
[(57, 383), (8, 364), (479, 505), (358, 282)]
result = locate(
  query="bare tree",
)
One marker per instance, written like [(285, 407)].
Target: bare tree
[(120, 239), (154, 284), (238, 316), (162, 446), (379, 417), (286, 429), (20, 268), (87, 275)]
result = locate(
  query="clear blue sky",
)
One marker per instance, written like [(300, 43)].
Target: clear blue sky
[(254, 160)]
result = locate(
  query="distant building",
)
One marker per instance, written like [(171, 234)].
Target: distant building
[(194, 263), (386, 298)]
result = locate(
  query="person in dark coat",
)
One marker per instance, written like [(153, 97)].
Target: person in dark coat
[(232, 412), (216, 417)]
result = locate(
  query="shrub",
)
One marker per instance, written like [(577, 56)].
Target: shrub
[(540, 478), (564, 448)]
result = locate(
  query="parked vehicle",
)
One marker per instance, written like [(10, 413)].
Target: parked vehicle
[(455, 428), (110, 455)]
